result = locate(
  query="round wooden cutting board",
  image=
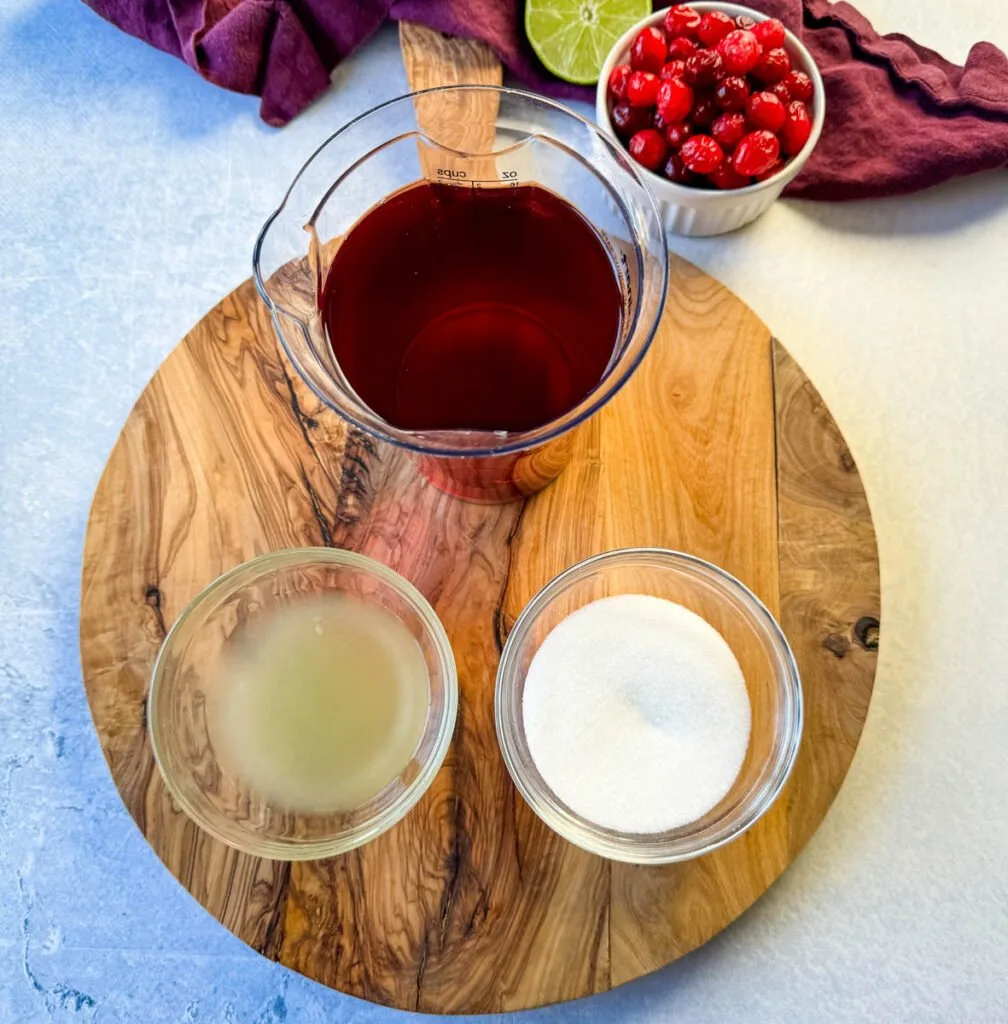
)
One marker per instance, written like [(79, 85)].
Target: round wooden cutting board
[(718, 446)]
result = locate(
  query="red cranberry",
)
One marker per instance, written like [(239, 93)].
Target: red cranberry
[(648, 148), (781, 91), (732, 92), (770, 171), (704, 111), (675, 100), (675, 170), (649, 49), (744, 21), (799, 85), (618, 78), (677, 134), (673, 69), (626, 119), (642, 88), (701, 154), (773, 66), (727, 177), (681, 20), (797, 128), (681, 48), (764, 110), (728, 130), (770, 33), (739, 51), (703, 68), (756, 153), (714, 26)]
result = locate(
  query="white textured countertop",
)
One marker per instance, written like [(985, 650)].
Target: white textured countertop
[(130, 194)]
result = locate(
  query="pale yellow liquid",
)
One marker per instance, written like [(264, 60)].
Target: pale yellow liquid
[(321, 706)]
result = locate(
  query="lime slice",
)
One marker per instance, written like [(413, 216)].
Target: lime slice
[(573, 37)]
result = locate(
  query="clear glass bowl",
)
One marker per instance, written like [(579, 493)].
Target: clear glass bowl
[(186, 672), (755, 638), (464, 136)]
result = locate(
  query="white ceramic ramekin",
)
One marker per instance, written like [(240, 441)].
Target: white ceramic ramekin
[(697, 211)]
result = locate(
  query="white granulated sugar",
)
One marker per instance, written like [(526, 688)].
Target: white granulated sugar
[(636, 713)]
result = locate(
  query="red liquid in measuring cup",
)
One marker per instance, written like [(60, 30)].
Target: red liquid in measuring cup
[(484, 309)]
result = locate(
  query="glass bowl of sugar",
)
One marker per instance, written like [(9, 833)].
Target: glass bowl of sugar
[(302, 703), (648, 706)]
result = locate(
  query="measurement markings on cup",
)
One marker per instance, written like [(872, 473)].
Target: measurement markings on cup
[(509, 178)]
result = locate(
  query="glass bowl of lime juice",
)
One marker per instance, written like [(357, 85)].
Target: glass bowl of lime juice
[(303, 703)]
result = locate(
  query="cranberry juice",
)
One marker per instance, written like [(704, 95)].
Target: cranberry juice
[(452, 308)]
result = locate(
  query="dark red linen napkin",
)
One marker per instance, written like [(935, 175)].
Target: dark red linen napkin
[(899, 117)]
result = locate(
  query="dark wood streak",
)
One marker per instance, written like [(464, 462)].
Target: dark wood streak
[(153, 598), (273, 935)]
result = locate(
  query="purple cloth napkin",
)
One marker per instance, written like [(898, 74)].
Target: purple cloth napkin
[(899, 117), (284, 50)]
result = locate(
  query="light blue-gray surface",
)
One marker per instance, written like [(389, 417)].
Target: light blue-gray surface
[(130, 195)]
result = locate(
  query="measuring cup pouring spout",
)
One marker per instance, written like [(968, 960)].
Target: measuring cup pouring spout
[(462, 137)]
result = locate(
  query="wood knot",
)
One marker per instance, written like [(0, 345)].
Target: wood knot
[(152, 598), (866, 632), (836, 643)]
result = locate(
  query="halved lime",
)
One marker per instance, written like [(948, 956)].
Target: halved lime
[(573, 37)]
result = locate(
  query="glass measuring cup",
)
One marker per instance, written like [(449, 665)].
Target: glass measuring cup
[(464, 137)]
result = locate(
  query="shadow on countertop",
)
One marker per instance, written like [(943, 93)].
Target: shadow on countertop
[(949, 207)]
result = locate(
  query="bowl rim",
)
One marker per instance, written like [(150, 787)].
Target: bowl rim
[(263, 565), (656, 848), (674, 192)]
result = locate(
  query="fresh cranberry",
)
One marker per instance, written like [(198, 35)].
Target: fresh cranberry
[(701, 154), (770, 171), (799, 85), (675, 100), (744, 21), (732, 93), (704, 111), (773, 66), (770, 33), (681, 48), (756, 153), (649, 49), (681, 20), (781, 91), (627, 120), (642, 88), (727, 177), (672, 69), (675, 170), (764, 110), (618, 78), (677, 134), (740, 51), (714, 26), (728, 129), (797, 128), (648, 148), (703, 68)]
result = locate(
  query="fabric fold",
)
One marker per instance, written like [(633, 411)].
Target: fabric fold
[(899, 117)]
